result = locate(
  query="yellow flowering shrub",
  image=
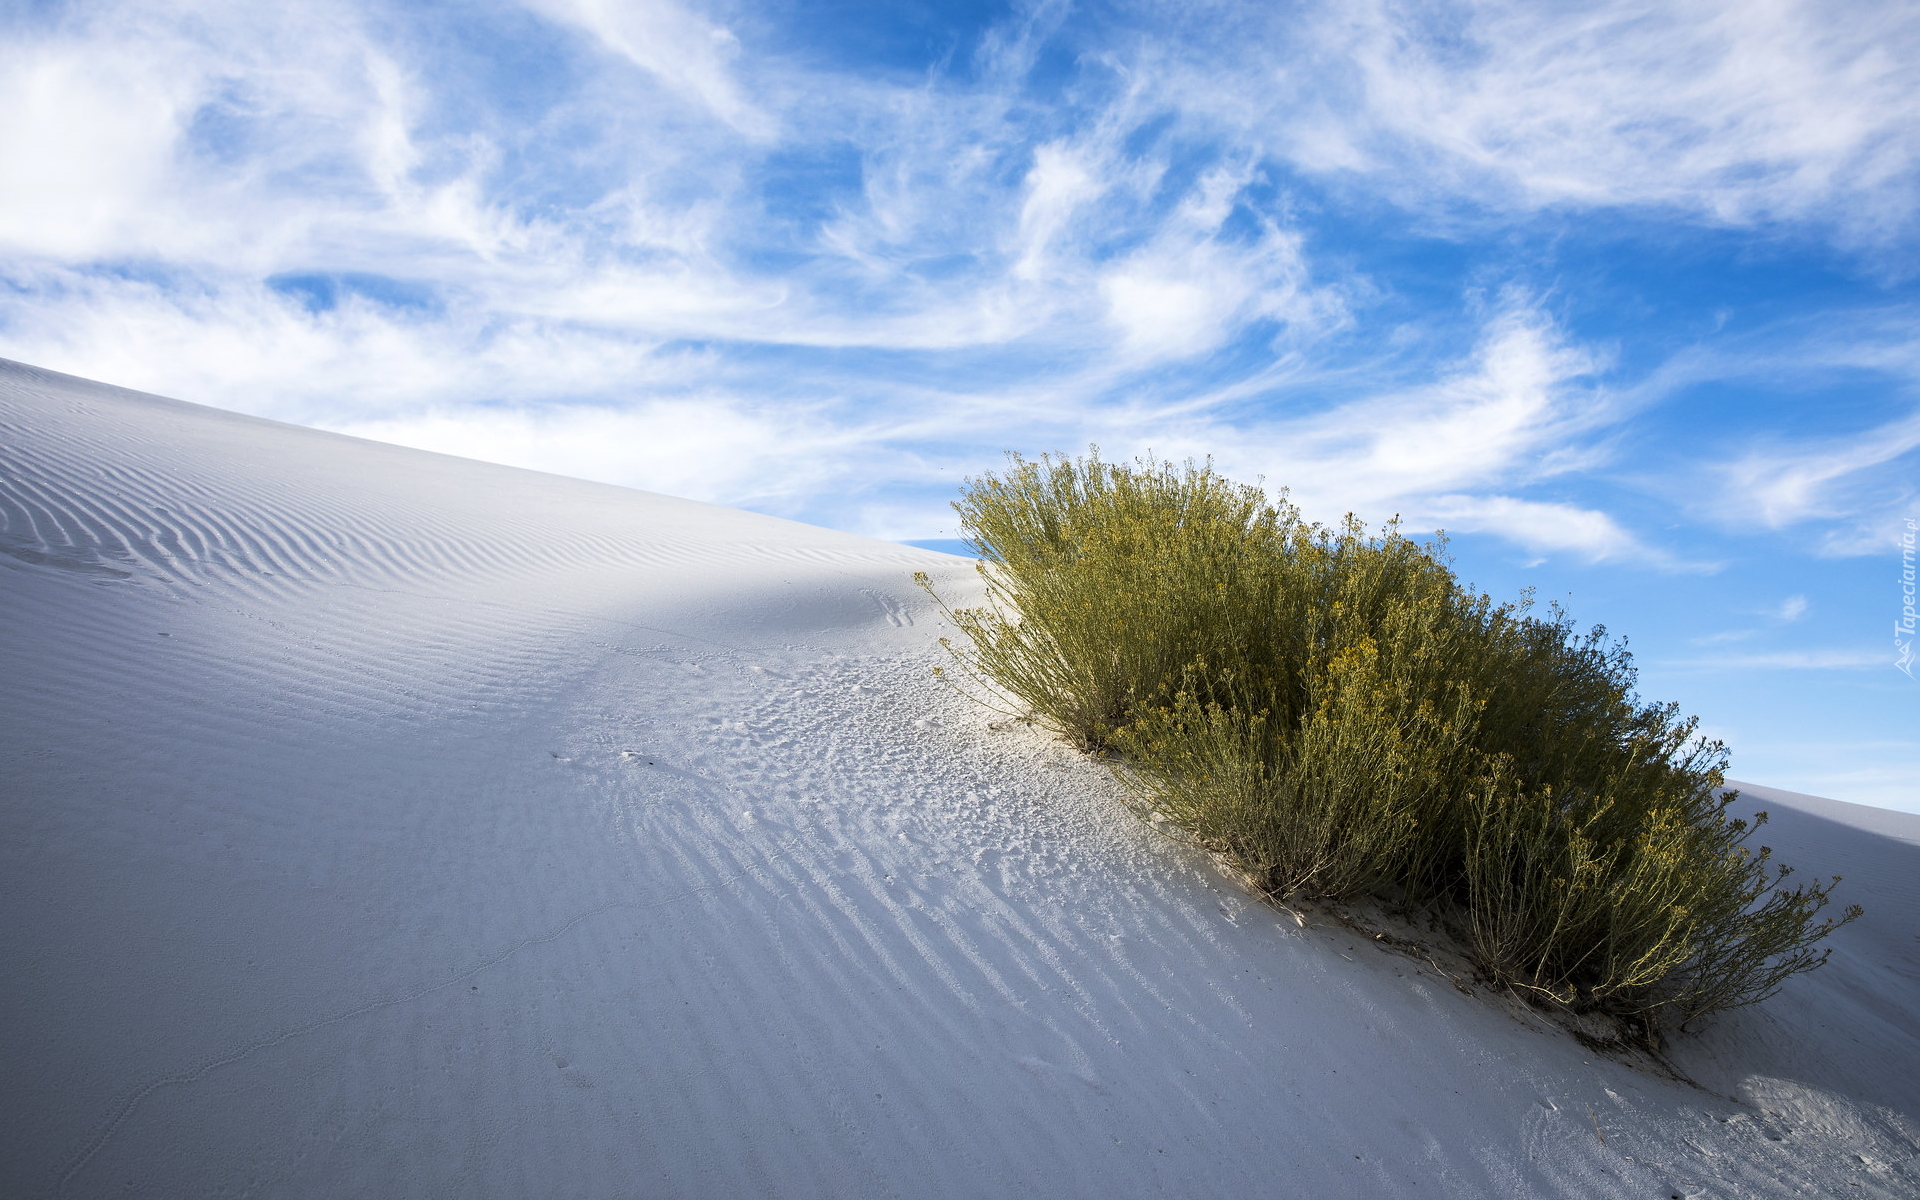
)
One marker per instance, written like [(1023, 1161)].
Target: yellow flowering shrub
[(1331, 713)]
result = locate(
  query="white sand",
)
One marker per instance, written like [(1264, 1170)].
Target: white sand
[(385, 824)]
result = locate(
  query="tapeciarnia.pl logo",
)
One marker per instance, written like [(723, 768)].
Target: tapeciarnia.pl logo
[(1903, 629)]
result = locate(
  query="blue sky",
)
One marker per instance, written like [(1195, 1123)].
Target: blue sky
[(1623, 296)]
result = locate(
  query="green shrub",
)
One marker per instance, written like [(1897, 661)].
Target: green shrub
[(1332, 714), (1108, 582), (1676, 919)]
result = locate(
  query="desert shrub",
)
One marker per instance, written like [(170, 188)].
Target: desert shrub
[(1285, 808), (1667, 914), (1104, 583), (1333, 715)]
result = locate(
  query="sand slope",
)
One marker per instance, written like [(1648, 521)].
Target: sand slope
[(379, 823)]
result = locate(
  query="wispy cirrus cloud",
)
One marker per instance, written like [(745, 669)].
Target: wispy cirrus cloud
[(1521, 410), (1058, 233), (1735, 112), (1836, 446), (691, 55), (1784, 485)]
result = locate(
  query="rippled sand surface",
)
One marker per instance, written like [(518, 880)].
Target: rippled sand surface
[(378, 823)]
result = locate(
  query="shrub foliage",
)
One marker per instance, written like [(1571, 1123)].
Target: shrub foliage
[(1333, 714)]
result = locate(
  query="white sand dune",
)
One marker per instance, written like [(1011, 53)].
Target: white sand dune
[(379, 823)]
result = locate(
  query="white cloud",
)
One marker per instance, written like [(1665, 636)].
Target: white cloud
[(707, 447), (1845, 478), (1825, 477), (243, 346), (1448, 453), (1060, 182), (689, 54), (227, 137), (1788, 611), (1537, 526), (89, 133), (1503, 417), (1518, 400), (1166, 313), (1191, 286), (1737, 110)]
